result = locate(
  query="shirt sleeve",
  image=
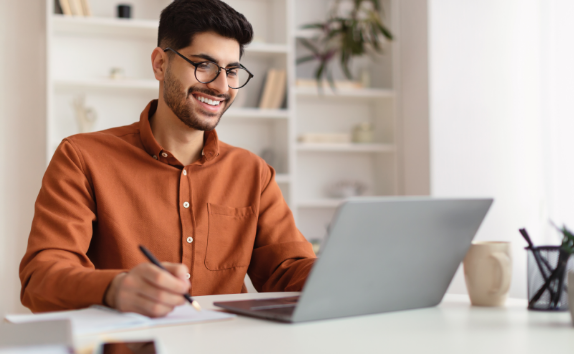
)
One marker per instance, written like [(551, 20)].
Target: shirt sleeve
[(282, 258), (56, 273)]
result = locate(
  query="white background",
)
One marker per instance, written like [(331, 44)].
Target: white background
[(500, 116)]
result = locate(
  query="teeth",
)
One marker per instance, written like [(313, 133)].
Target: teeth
[(208, 101)]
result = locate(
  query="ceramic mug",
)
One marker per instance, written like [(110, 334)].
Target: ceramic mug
[(487, 273)]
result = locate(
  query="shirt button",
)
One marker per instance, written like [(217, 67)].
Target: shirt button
[(155, 157), (186, 205), (187, 276), (184, 172), (189, 239), (164, 154)]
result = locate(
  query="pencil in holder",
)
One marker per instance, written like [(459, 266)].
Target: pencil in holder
[(548, 268)]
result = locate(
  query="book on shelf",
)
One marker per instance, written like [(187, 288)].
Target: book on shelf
[(86, 8), (273, 90), (76, 6), (65, 6), (73, 8)]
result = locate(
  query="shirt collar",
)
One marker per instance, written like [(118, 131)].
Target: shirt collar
[(152, 147)]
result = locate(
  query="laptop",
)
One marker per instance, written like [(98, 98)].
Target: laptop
[(381, 254)]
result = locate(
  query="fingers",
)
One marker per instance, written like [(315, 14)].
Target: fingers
[(159, 295), (151, 291), (165, 280), (177, 269), (148, 307)]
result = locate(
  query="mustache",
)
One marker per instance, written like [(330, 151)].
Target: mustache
[(208, 92)]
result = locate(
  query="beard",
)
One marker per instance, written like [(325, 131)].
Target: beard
[(178, 100)]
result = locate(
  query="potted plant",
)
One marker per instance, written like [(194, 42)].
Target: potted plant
[(348, 35)]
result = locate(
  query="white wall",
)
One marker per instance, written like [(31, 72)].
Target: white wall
[(22, 134), (558, 95), (486, 141)]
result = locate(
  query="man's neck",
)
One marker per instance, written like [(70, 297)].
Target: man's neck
[(185, 143)]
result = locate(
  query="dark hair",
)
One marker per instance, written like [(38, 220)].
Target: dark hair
[(183, 19)]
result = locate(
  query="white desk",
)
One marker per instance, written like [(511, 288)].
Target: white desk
[(452, 327)]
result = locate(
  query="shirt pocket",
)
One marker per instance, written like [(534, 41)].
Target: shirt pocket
[(230, 237)]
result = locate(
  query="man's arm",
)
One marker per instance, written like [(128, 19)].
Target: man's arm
[(282, 257), (56, 273)]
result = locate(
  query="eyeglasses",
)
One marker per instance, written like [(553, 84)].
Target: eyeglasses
[(208, 71)]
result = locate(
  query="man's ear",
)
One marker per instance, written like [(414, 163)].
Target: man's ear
[(159, 63)]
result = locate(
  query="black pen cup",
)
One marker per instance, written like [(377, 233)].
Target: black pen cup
[(547, 291), (124, 11)]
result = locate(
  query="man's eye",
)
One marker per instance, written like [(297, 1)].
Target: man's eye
[(232, 72), (204, 65)]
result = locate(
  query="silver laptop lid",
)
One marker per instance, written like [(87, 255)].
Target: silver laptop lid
[(388, 254)]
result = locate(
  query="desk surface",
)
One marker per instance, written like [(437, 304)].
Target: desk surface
[(452, 327)]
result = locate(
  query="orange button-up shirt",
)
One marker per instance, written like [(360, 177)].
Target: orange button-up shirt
[(105, 193)]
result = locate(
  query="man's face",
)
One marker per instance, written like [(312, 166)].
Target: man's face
[(182, 92)]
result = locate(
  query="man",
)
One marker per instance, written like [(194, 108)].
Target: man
[(211, 211)]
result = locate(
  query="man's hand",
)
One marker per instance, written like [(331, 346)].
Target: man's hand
[(149, 290)]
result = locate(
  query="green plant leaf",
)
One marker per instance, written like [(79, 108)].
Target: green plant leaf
[(307, 44), (306, 59)]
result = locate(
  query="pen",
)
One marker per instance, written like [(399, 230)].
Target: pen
[(152, 259)]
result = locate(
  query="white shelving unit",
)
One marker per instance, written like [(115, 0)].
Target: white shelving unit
[(304, 171)]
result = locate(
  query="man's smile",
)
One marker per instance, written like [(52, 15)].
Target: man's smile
[(209, 103)]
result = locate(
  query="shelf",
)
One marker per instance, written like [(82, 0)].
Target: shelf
[(266, 48), (106, 84), (147, 29), (345, 147), (105, 26), (320, 203), (344, 93), (256, 113), (282, 178)]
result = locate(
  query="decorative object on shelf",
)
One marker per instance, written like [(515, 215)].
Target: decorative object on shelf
[(346, 189), (325, 138), (269, 156), (77, 9), (365, 78), (363, 133), (65, 6), (339, 84), (273, 90), (487, 273), (85, 116), (116, 73), (124, 11), (548, 267), (348, 35)]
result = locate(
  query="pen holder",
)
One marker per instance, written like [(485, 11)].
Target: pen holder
[(548, 278)]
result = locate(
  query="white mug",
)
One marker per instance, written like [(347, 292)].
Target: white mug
[(487, 272)]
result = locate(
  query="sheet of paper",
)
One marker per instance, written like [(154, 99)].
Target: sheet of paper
[(101, 319), (85, 321), (187, 314)]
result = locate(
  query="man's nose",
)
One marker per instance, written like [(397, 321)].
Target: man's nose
[(220, 84)]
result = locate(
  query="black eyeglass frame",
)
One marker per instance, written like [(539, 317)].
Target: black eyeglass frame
[(218, 72)]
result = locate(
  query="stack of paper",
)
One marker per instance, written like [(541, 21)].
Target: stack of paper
[(97, 319)]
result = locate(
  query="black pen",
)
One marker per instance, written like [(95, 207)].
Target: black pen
[(152, 259)]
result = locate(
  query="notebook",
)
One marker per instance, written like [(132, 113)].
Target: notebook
[(98, 319)]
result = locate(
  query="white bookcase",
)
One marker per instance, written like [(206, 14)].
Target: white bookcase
[(82, 51)]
